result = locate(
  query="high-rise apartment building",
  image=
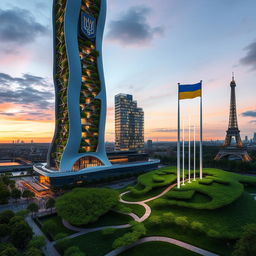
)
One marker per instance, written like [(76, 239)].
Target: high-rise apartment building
[(254, 137), (129, 124)]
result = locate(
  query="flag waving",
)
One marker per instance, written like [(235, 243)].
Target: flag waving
[(190, 91)]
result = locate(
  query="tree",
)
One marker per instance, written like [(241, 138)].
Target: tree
[(21, 234), (28, 194), (6, 216), (37, 242), (8, 250), (4, 194), (50, 203), (50, 227), (246, 245), (12, 184), (73, 251), (33, 207), (32, 251), (85, 205), (15, 194), (182, 221), (4, 230)]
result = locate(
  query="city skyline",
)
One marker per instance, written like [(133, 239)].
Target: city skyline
[(27, 109)]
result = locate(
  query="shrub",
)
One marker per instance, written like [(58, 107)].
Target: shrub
[(85, 205), (206, 181), (37, 242), (5, 216), (73, 251), (154, 220), (213, 233), (50, 227), (32, 251), (182, 221), (60, 236), (198, 226), (108, 231), (63, 245), (157, 178), (168, 218)]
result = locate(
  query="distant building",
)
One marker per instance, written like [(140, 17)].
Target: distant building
[(129, 124), (246, 139), (254, 137), (149, 145)]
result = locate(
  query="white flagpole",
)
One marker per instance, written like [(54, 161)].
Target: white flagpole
[(189, 151), (178, 143), (201, 133), (194, 152), (183, 155)]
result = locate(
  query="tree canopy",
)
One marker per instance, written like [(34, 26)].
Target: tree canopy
[(85, 205)]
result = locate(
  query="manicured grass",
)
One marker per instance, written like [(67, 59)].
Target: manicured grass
[(109, 219), (157, 248), (158, 178), (137, 209), (94, 244), (60, 227), (222, 187)]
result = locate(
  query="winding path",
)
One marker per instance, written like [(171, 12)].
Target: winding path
[(82, 231), (161, 239)]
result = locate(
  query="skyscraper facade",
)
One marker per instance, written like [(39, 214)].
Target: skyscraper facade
[(129, 124), (80, 95), (77, 152)]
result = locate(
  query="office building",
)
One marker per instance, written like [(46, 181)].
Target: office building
[(129, 124)]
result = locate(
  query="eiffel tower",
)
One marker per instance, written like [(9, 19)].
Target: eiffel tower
[(229, 151)]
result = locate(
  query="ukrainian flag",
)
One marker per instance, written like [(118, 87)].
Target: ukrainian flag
[(190, 91)]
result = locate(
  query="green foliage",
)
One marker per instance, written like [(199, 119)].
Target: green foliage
[(213, 233), (157, 178), (33, 207), (168, 218), (37, 242), (184, 194), (21, 234), (22, 213), (4, 230), (138, 230), (206, 181), (5, 216), (198, 226), (28, 194), (154, 220), (60, 236), (7, 249), (32, 251), (86, 205), (50, 227), (246, 245), (4, 193), (73, 251), (15, 194), (108, 231), (182, 221), (63, 244), (15, 219)]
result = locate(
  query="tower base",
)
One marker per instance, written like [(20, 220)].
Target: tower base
[(233, 153)]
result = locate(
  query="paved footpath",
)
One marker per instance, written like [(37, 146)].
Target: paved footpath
[(48, 249), (162, 239)]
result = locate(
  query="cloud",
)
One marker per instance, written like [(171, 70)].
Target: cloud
[(249, 113), (18, 26), (163, 130), (250, 58), (28, 90), (132, 28)]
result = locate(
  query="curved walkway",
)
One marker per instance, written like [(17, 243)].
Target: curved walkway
[(162, 239)]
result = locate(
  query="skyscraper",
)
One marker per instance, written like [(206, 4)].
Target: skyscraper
[(129, 124), (77, 152), (254, 138), (79, 85)]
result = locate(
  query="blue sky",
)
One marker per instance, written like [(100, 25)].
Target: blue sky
[(149, 46)]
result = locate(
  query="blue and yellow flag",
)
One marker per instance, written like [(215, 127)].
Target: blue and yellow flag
[(190, 91)]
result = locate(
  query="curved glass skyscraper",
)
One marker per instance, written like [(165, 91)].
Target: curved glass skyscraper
[(78, 141), (77, 152)]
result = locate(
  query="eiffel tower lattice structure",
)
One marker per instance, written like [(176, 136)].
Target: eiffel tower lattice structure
[(238, 151)]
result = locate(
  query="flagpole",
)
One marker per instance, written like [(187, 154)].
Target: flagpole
[(178, 143), (189, 160), (194, 152), (201, 133), (183, 155)]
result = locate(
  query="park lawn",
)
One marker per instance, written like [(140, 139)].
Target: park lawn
[(60, 227), (221, 187), (137, 209), (155, 179), (157, 248), (228, 220), (109, 219), (219, 246), (95, 243)]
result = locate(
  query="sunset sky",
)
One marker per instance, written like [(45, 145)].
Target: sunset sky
[(149, 46)]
